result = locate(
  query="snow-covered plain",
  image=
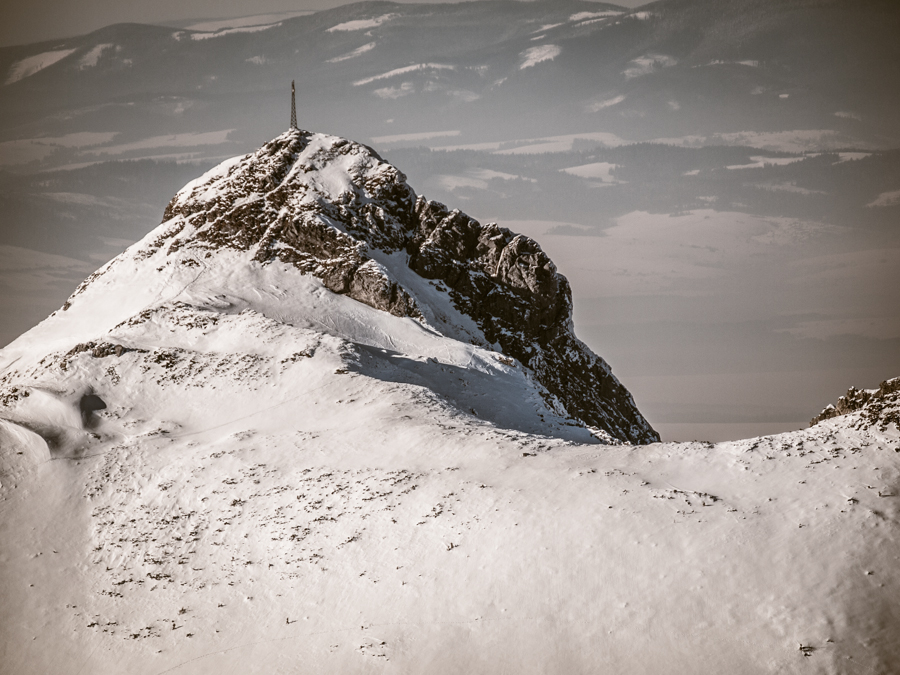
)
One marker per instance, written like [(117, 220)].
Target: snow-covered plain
[(214, 464)]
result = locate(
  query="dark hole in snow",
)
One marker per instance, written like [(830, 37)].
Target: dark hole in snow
[(88, 404)]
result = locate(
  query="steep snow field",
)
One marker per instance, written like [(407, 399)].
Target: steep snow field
[(215, 464)]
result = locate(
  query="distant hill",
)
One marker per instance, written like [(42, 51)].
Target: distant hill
[(487, 70)]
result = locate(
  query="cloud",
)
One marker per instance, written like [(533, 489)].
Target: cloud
[(404, 89), (608, 103)]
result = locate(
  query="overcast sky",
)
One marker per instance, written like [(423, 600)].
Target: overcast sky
[(24, 22)]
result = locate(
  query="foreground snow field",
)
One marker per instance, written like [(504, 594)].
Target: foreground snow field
[(364, 527), (218, 461)]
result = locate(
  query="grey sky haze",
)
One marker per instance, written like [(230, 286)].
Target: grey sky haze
[(25, 22)]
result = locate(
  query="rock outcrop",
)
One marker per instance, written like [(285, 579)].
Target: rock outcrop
[(336, 210), (877, 407)]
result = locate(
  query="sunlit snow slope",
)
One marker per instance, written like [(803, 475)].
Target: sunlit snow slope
[(314, 423)]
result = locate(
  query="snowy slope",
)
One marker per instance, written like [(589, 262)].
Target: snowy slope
[(244, 448), (351, 530)]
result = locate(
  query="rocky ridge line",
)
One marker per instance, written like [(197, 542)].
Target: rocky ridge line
[(879, 407)]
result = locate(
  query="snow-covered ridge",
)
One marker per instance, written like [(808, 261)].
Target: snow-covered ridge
[(33, 64), (231, 31), (866, 408), (91, 59)]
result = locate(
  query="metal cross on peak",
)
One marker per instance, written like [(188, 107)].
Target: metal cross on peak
[(293, 107)]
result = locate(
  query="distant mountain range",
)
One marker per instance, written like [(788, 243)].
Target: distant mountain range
[(464, 73)]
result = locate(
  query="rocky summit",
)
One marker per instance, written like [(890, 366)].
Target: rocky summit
[(334, 209), (873, 407)]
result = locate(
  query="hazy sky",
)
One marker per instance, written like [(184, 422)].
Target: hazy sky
[(24, 22)]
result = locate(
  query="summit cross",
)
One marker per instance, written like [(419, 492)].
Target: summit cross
[(293, 107)]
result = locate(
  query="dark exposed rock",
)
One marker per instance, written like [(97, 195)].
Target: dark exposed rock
[(879, 407), (279, 204), (97, 350), (512, 289)]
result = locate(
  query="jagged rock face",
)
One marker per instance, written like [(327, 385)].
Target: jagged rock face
[(512, 289), (325, 205), (877, 407), (285, 207)]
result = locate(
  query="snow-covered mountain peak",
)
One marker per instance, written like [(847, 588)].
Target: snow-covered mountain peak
[(309, 221)]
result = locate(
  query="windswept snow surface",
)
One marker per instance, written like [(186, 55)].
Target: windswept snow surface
[(210, 463), (257, 495), (583, 16), (33, 64), (91, 59)]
